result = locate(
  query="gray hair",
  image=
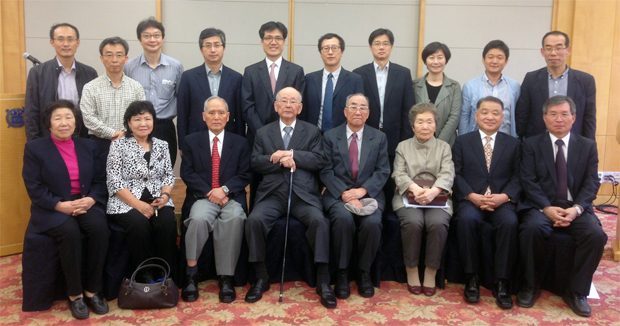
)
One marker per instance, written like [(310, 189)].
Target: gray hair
[(213, 98)]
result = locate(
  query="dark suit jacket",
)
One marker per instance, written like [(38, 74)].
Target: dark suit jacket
[(535, 91), (309, 158), (256, 92), (471, 174), (374, 167), (42, 89), (538, 172), (194, 90), (47, 180), (348, 83), (398, 101), (234, 165)]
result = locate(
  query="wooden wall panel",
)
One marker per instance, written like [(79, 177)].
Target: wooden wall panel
[(12, 45)]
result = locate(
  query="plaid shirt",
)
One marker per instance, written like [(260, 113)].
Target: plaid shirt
[(103, 106)]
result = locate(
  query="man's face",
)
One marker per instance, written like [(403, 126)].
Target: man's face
[(212, 50), (65, 42), (151, 40), (381, 48), (489, 116), (331, 53), (559, 119), (356, 112), (216, 115), (494, 61), (273, 43), (288, 104), (554, 51), (113, 58)]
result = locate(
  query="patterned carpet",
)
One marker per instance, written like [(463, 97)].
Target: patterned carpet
[(391, 305)]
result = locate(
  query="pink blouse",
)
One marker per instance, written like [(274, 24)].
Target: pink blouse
[(67, 151)]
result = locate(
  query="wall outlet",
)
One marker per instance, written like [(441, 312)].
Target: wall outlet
[(609, 177)]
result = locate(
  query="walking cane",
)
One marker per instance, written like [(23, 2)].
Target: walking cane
[(288, 214)]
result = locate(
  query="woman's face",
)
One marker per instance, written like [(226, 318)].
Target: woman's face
[(424, 126), (62, 123), (141, 125), (436, 62)]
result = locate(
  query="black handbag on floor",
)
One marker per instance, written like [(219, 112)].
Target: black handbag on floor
[(160, 294)]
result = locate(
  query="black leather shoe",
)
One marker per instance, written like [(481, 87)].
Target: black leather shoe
[(364, 285), (328, 298), (527, 297), (97, 304), (190, 291), (502, 295), (227, 290), (578, 303), (472, 290), (256, 291), (78, 308), (342, 288)]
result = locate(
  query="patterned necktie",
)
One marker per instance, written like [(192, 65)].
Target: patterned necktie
[(353, 152), (272, 77), (560, 172), (326, 124), (215, 165), (287, 136), (488, 153)]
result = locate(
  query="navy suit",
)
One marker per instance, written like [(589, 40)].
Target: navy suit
[(398, 100), (348, 83), (256, 94), (535, 91), (194, 90), (374, 171), (538, 178), (472, 176)]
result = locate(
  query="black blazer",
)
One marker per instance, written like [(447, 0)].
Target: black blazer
[(374, 167), (309, 158), (348, 83), (398, 101), (535, 91), (47, 180), (538, 172), (234, 165), (42, 89), (471, 174), (194, 90), (257, 98)]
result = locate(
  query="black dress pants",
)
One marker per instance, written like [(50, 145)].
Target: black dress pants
[(165, 130)]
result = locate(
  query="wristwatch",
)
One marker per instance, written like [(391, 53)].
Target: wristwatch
[(579, 209), (226, 190)]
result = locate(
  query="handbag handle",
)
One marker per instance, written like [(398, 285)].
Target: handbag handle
[(144, 265), (159, 260)]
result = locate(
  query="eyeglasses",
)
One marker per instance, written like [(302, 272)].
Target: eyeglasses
[(155, 36), (288, 102), (334, 48), (378, 44), (557, 49), (67, 39), (270, 39), (360, 108), (212, 45)]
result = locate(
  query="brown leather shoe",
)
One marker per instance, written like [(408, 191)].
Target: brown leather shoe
[(417, 290)]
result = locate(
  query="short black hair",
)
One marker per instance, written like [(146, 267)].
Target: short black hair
[(113, 41), (496, 44), (59, 104), (433, 47), (210, 32), (136, 108), (556, 33), (53, 29), (150, 22), (490, 99), (379, 32), (330, 36), (270, 26)]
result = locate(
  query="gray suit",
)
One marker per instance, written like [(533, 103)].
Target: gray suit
[(448, 104), (374, 170)]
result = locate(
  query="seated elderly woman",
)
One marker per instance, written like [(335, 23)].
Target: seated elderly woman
[(423, 172), (140, 179), (68, 201)]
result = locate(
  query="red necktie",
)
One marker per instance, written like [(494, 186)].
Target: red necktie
[(353, 151), (215, 165)]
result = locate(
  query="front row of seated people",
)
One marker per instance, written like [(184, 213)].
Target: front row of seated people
[(525, 191)]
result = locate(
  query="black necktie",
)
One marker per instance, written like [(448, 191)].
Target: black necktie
[(560, 172)]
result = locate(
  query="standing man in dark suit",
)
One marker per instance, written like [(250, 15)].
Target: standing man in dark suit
[(327, 89), (389, 89), (560, 181), (556, 79), (357, 171), (216, 169), (60, 78), (283, 147), (211, 78), (486, 187), (264, 79)]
